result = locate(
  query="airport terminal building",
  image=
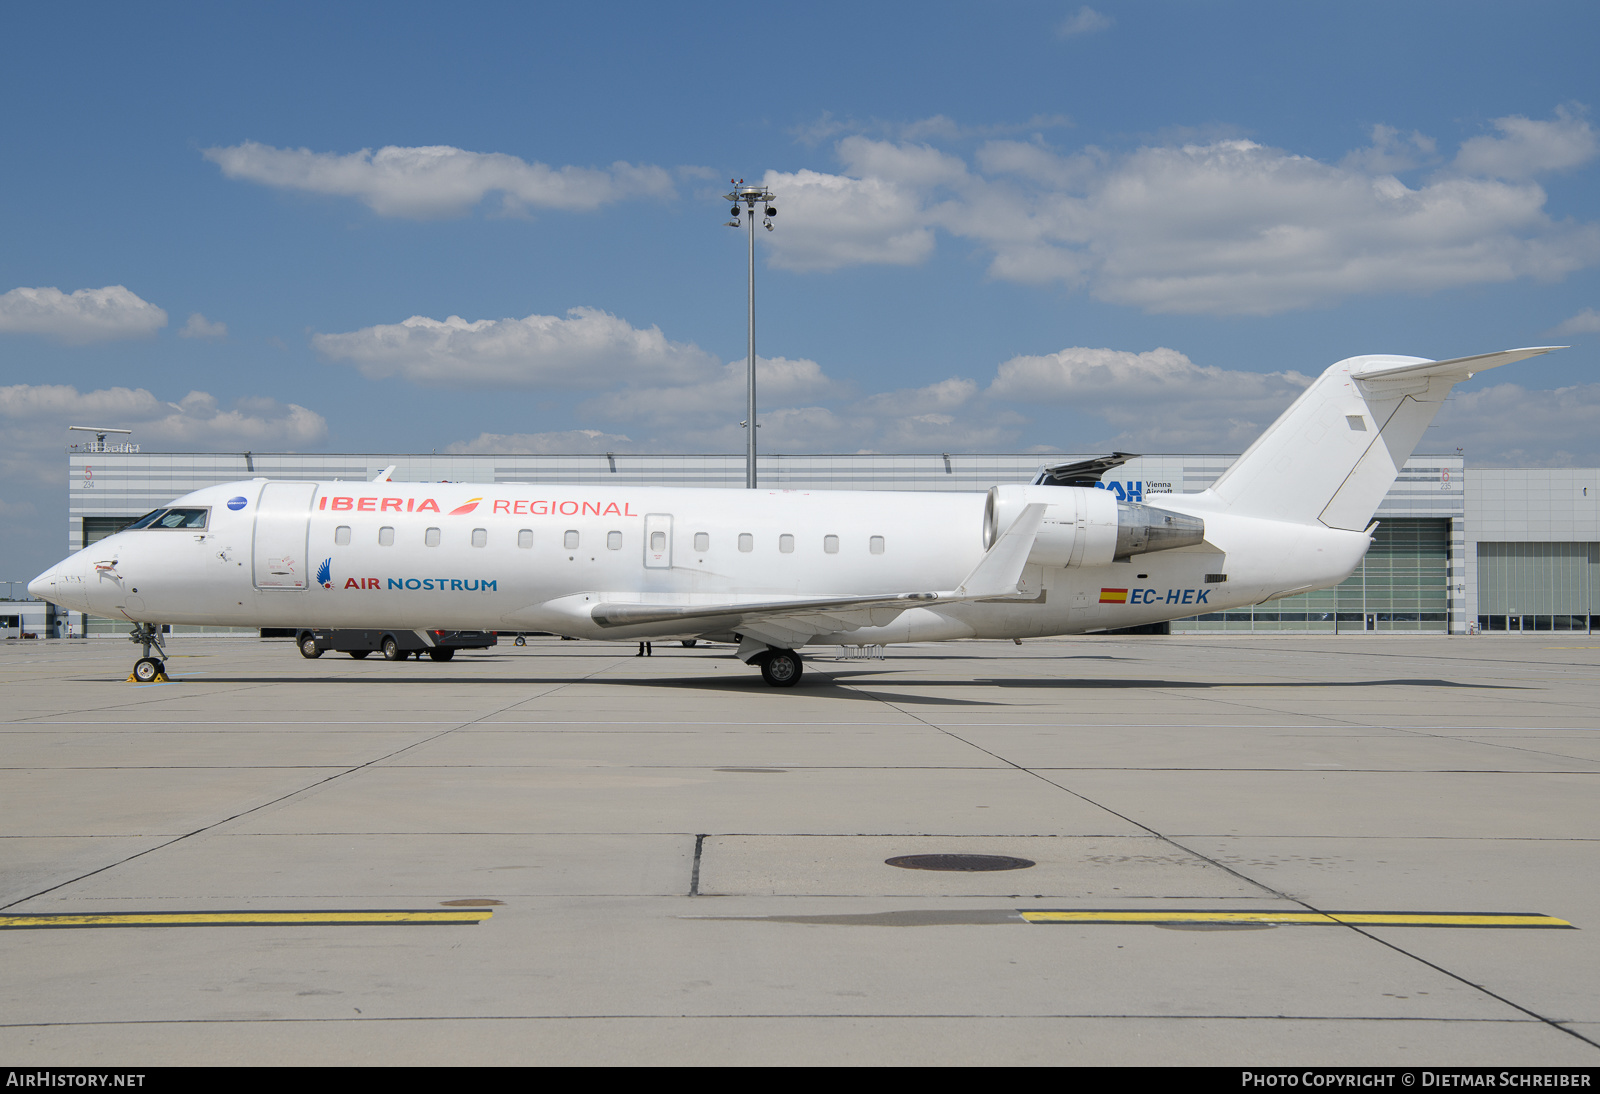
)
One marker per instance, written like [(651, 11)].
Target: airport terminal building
[(1457, 549)]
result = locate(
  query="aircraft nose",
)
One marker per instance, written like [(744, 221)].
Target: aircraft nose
[(43, 587)]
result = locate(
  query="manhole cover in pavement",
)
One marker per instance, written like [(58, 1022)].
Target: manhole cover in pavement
[(966, 863)]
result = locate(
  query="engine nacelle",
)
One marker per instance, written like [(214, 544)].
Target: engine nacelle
[(1088, 527)]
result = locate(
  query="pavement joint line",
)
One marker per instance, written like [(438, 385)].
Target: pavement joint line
[(723, 1016), (275, 801), (1357, 928), (1304, 729)]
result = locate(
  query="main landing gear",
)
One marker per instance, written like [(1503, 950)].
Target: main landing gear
[(148, 670), (780, 668)]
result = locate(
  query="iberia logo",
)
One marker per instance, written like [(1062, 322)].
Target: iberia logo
[(325, 573), (1113, 596), (462, 510)]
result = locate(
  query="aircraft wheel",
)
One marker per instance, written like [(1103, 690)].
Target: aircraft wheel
[(309, 648), (147, 669), (391, 649), (441, 655), (781, 668), (359, 654), (521, 641), (689, 643)]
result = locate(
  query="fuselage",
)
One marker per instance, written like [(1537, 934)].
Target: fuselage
[(402, 555)]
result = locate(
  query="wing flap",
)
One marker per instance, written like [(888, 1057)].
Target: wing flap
[(630, 615)]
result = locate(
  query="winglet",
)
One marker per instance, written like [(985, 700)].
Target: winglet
[(999, 570)]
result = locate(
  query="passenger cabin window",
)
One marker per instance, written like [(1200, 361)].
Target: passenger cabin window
[(614, 541), (875, 545), (385, 537), (431, 537), (702, 541), (480, 537), (525, 538), (571, 539), (658, 541), (747, 542), (341, 535), (786, 544), (830, 544)]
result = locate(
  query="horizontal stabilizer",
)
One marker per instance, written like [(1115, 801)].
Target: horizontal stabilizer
[(1456, 369)]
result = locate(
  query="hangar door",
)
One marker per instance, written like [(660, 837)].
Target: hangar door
[(283, 521)]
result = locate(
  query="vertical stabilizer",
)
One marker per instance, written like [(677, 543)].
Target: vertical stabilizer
[(1333, 455)]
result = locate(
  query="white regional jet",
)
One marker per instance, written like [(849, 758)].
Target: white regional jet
[(776, 570)]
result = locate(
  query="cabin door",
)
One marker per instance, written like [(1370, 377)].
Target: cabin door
[(283, 522), (658, 541)]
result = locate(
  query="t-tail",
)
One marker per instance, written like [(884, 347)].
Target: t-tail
[(1333, 455)]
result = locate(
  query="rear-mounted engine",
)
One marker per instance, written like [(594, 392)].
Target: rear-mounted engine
[(1087, 527)]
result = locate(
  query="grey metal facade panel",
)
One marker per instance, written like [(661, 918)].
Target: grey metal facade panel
[(131, 483)]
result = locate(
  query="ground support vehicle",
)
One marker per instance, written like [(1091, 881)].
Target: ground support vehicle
[(438, 645)]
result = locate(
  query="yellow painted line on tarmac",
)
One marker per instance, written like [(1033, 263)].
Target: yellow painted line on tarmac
[(238, 919), (1364, 919)]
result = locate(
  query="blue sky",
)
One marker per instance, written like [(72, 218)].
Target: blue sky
[(1002, 227)]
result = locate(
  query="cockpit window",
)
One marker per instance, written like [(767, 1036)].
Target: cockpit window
[(175, 518), (145, 521), (184, 518)]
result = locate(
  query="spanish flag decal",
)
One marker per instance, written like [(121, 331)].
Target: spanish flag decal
[(1113, 596)]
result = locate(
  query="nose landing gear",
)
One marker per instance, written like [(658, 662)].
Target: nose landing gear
[(148, 670)]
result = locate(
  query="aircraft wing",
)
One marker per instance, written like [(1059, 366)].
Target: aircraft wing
[(778, 622), (793, 621)]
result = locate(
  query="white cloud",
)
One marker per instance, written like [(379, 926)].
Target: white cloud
[(1224, 227), (195, 419), (88, 315), (568, 440), (589, 349), (1526, 147), (1390, 151), (937, 127), (1158, 401), (1084, 21), (1507, 425), (198, 327), (705, 417), (1585, 322), (829, 221), (718, 398), (437, 180), (34, 420)]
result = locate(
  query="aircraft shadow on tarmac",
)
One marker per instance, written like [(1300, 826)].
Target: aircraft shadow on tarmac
[(834, 681)]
